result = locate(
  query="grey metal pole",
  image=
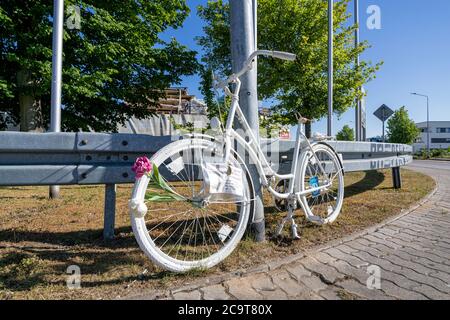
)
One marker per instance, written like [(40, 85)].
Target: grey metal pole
[(358, 115), (55, 116), (58, 18), (330, 66), (243, 42), (109, 212), (428, 126)]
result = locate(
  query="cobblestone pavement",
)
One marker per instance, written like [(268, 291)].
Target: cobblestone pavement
[(411, 254)]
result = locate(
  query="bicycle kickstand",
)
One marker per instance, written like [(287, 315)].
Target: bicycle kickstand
[(289, 218)]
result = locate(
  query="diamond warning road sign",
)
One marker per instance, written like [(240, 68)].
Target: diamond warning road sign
[(383, 113)]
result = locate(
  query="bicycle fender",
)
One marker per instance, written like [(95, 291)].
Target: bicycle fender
[(337, 155)]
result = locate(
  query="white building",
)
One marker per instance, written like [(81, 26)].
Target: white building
[(439, 135)]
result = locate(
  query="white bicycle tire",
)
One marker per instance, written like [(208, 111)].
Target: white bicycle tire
[(301, 183), (139, 224)]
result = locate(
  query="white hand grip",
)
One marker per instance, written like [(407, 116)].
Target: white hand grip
[(284, 55)]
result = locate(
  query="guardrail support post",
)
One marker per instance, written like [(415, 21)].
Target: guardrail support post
[(397, 178), (110, 212)]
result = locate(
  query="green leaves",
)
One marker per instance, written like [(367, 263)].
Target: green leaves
[(114, 67), (346, 134), (167, 194), (401, 129), (300, 27)]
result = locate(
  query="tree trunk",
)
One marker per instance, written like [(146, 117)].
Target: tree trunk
[(30, 108), (308, 128)]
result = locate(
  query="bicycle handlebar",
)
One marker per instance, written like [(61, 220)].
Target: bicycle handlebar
[(278, 54), (249, 64)]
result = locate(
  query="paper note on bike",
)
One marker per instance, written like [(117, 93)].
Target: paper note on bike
[(222, 182)]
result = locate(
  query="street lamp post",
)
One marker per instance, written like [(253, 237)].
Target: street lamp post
[(428, 119)]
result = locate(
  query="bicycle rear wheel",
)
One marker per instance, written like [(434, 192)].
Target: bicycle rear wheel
[(190, 231), (321, 207)]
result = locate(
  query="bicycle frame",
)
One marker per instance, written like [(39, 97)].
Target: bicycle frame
[(256, 153)]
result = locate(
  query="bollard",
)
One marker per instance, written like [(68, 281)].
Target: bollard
[(53, 192), (110, 211), (397, 178)]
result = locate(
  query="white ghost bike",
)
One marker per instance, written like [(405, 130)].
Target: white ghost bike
[(201, 214)]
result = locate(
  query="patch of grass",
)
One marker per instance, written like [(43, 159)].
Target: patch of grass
[(345, 295), (41, 238)]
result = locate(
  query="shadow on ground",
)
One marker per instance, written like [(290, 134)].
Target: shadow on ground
[(22, 267)]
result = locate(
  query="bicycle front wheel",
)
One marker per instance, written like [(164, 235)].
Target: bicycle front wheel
[(322, 206), (189, 231)]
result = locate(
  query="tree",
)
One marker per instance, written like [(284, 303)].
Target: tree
[(297, 26), (115, 66), (346, 134), (401, 129)]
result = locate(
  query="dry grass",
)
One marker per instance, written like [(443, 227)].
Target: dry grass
[(40, 238)]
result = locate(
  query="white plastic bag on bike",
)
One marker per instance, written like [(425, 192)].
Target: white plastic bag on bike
[(222, 182)]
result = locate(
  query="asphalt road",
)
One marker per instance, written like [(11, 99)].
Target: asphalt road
[(431, 164)]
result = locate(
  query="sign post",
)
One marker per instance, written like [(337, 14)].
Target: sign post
[(383, 113)]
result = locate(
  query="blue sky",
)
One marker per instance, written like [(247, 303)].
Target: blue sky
[(413, 42)]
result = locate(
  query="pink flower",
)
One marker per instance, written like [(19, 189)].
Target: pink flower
[(141, 167)]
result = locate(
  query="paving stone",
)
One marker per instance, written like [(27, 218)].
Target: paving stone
[(371, 250), (327, 273), (351, 271), (399, 292), (215, 292), (399, 280), (293, 289), (431, 292), (276, 294), (192, 295), (351, 259), (346, 249), (425, 254), (314, 283), (364, 242), (388, 231), (331, 294), (241, 289), (357, 288), (263, 283), (444, 276), (297, 271), (323, 257), (408, 264), (375, 239), (432, 264)]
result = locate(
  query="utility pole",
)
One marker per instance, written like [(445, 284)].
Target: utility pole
[(55, 116), (243, 44), (330, 66)]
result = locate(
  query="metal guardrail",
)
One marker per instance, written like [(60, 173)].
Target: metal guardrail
[(357, 156), (28, 159)]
